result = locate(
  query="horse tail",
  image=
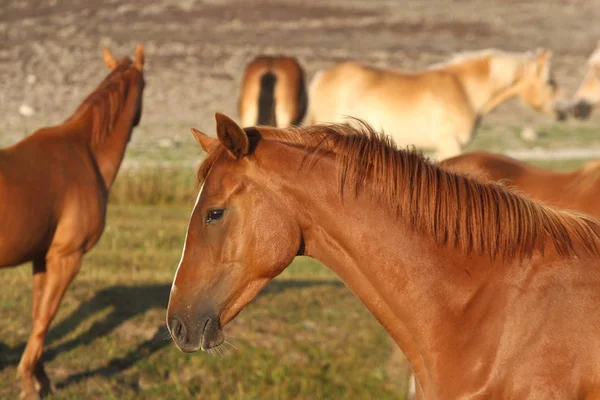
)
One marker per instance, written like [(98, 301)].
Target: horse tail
[(266, 99), (302, 100)]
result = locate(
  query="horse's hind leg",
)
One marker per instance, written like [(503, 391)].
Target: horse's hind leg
[(49, 288), (44, 386)]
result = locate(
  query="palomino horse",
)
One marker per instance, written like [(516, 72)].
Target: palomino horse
[(53, 192), (488, 293), (273, 92), (439, 107), (577, 190), (588, 94)]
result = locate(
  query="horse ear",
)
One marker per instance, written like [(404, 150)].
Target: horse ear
[(206, 142), (543, 56), (109, 59), (139, 57), (232, 136)]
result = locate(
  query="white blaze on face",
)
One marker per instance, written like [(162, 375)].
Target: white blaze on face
[(174, 288)]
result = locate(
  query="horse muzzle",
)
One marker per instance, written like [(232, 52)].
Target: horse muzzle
[(203, 334), (582, 109)]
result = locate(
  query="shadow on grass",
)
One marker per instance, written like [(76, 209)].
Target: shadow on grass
[(125, 303)]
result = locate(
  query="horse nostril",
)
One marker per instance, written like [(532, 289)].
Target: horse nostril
[(178, 330)]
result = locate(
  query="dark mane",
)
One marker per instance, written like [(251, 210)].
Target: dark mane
[(107, 101), (453, 208)]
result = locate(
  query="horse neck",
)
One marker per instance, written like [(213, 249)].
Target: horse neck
[(109, 152), (487, 81), (394, 270)]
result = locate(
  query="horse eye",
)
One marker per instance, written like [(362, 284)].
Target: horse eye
[(214, 215)]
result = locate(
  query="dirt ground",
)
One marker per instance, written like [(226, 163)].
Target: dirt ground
[(50, 51)]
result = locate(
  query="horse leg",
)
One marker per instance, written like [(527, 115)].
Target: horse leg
[(60, 271), (43, 384), (447, 147), (283, 114)]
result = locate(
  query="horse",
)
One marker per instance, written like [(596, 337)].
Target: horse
[(488, 294), (574, 190), (439, 107), (54, 187), (273, 92), (587, 96)]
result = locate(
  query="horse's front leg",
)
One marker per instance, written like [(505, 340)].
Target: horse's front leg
[(49, 288), (447, 147)]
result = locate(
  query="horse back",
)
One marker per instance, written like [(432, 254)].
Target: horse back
[(395, 101)]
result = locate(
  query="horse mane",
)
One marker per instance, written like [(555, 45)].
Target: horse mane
[(466, 56), (107, 101), (453, 208)]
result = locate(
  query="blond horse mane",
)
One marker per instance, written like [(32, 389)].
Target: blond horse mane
[(466, 56), (107, 101), (452, 208)]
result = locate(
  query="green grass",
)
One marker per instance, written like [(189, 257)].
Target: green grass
[(306, 336), (155, 185), (549, 137)]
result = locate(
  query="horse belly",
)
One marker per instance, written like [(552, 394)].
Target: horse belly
[(26, 229)]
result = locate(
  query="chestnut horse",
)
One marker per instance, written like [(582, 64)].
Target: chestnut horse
[(577, 190), (53, 192), (273, 92), (488, 293), (439, 107), (587, 96)]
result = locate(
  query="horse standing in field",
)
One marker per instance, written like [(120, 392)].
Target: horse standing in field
[(488, 294), (273, 92), (54, 188), (439, 107), (587, 96), (577, 190)]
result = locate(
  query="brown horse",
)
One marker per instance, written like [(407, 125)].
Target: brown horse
[(53, 192), (587, 96), (489, 294), (439, 107), (575, 190), (273, 92)]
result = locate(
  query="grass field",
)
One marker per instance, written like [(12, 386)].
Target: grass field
[(306, 336)]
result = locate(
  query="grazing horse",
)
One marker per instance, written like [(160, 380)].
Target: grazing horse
[(588, 94), (273, 92), (488, 294), (577, 190), (439, 107), (53, 192)]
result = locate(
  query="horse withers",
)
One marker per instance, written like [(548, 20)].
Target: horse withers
[(273, 92), (54, 188), (488, 294), (439, 107)]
